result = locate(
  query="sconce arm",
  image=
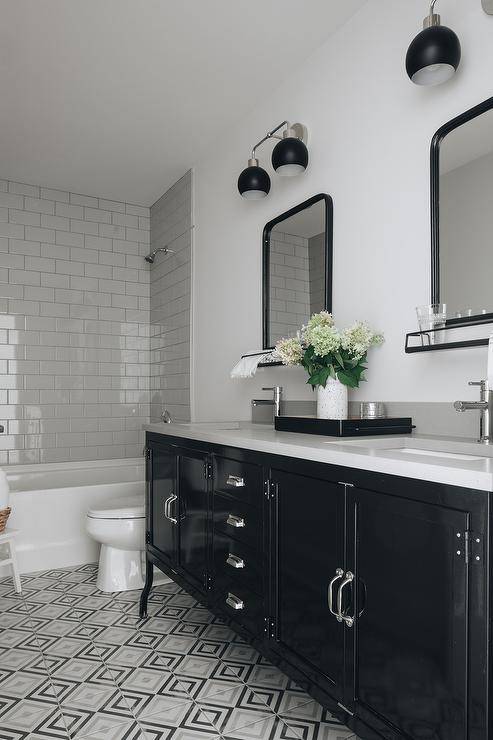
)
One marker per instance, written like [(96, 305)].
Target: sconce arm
[(270, 135)]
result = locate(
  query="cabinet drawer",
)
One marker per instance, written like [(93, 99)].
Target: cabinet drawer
[(241, 605), (237, 562), (241, 479), (237, 520)]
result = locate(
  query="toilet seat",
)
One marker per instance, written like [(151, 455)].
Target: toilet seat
[(122, 508)]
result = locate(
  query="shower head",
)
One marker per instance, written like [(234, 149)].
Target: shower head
[(152, 256)]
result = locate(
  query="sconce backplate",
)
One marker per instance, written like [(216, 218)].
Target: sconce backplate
[(301, 131), (487, 6)]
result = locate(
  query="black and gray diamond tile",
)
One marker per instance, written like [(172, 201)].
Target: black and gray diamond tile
[(77, 664)]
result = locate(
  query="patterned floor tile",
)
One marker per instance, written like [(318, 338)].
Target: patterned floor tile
[(312, 722), (128, 731), (27, 716), (21, 684), (183, 718), (268, 728), (78, 664), (103, 728), (229, 719)]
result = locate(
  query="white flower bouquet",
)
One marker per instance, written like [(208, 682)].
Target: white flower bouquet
[(327, 352)]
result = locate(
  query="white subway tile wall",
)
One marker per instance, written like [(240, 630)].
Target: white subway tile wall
[(74, 326), (171, 222), (289, 284)]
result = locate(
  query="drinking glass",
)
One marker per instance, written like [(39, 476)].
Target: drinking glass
[(430, 317)]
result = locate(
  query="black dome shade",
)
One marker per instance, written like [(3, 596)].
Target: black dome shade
[(433, 56), (254, 183), (290, 153)]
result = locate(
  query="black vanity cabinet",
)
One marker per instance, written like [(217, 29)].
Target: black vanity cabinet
[(193, 475), (178, 510), (308, 549), (239, 567), (162, 533), (370, 590), (409, 641)]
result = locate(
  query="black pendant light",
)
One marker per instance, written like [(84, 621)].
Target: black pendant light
[(253, 182), (434, 54), (289, 157)]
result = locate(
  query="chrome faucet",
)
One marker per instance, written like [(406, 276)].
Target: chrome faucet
[(484, 406), (276, 401)]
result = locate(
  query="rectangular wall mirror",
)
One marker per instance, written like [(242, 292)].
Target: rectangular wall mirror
[(462, 215), (297, 267)]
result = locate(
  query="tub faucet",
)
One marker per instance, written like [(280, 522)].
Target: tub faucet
[(484, 406)]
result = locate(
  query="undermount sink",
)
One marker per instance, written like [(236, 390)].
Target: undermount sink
[(409, 446), (433, 453)]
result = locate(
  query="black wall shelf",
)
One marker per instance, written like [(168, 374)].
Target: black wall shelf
[(427, 345)]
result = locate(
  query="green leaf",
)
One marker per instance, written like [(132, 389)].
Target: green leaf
[(347, 379), (339, 359)]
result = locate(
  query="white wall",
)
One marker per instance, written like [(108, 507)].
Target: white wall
[(370, 132)]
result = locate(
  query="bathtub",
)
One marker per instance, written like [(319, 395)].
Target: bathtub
[(49, 503)]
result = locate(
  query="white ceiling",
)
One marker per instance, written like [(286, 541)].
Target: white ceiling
[(118, 98)]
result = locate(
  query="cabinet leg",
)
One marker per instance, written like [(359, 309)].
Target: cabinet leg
[(146, 590)]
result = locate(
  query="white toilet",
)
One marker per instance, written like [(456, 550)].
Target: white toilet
[(120, 528)]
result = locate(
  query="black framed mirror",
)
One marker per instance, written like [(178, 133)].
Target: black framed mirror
[(297, 267), (462, 216)]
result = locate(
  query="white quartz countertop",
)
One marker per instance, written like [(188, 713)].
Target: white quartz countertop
[(450, 460)]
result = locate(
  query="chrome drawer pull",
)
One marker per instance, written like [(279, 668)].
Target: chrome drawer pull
[(234, 602), (348, 578), (339, 574), (236, 481), (235, 521), (235, 561)]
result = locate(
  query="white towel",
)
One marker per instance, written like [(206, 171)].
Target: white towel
[(4, 490), (247, 366)]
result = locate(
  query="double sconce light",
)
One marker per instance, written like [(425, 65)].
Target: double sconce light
[(289, 158), (434, 54)]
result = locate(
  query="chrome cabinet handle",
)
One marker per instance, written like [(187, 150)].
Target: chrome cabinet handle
[(235, 561), (166, 506), (171, 501), (236, 481), (339, 574), (349, 621), (235, 521), (234, 602)]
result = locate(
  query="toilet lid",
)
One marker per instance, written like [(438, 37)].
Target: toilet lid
[(131, 507)]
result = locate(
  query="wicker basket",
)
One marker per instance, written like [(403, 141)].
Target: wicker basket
[(4, 515)]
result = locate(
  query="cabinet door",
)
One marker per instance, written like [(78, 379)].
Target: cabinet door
[(309, 537), (410, 635), (162, 494), (193, 515)]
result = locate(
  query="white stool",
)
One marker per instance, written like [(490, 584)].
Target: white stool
[(7, 538)]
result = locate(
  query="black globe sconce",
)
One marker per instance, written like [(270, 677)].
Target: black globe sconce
[(289, 158), (434, 54)]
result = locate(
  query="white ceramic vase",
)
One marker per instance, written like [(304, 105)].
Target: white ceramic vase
[(332, 401)]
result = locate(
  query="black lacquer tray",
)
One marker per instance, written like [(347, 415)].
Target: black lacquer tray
[(353, 427)]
